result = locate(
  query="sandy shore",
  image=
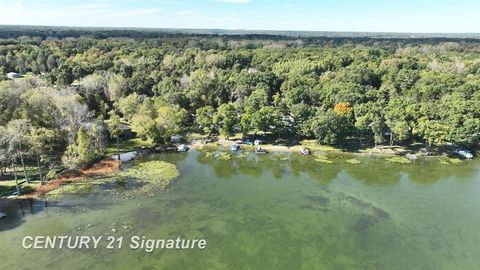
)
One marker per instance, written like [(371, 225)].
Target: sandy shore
[(382, 151)]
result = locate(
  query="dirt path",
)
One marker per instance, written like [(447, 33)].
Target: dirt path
[(104, 167)]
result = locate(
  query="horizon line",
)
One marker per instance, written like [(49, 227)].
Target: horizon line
[(240, 29)]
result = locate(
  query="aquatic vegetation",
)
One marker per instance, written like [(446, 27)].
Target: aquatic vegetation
[(401, 160), (353, 161), (326, 161), (455, 161), (224, 156), (142, 178), (450, 161), (154, 175), (83, 187), (279, 156), (320, 199), (242, 155), (322, 158)]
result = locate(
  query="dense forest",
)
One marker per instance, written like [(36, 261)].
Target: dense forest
[(78, 89)]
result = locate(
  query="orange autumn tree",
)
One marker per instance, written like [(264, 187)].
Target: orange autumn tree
[(343, 108)]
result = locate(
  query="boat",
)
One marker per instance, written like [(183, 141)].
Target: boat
[(236, 148), (125, 157), (182, 148), (260, 150), (463, 153), (411, 157), (305, 152)]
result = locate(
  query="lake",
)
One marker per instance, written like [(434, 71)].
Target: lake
[(276, 211)]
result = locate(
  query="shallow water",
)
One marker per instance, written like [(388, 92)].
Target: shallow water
[(271, 212)]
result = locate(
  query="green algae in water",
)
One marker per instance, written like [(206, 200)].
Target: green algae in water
[(353, 161), (455, 161), (322, 158), (325, 161), (159, 173), (400, 160), (142, 178), (224, 156), (375, 215), (83, 187), (218, 155), (444, 162), (450, 161)]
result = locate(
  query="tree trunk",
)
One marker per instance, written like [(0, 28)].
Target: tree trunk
[(16, 178), (40, 170), (360, 137), (24, 168), (118, 147)]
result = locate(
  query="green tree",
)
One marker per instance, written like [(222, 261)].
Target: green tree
[(18, 132), (204, 118), (329, 127), (9, 154), (226, 118), (114, 127), (266, 119), (129, 105), (169, 121), (85, 151), (40, 140)]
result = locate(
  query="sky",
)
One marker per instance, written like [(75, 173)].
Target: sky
[(415, 16)]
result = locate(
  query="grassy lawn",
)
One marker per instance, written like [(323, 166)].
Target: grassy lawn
[(7, 182), (7, 188), (127, 146)]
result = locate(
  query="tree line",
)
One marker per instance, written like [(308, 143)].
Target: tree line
[(79, 90)]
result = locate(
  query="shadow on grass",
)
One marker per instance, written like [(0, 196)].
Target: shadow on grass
[(9, 190)]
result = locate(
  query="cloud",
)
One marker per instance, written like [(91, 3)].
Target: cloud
[(185, 13), (168, 2), (234, 1), (133, 13)]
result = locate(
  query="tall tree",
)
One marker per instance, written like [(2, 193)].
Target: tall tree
[(114, 125), (18, 132), (226, 118), (40, 140)]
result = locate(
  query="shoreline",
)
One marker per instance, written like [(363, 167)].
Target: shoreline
[(110, 166), (102, 168), (384, 151)]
